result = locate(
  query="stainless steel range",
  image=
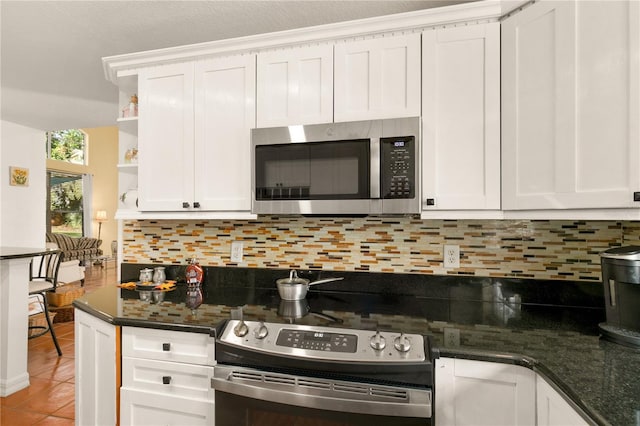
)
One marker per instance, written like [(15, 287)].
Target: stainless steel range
[(277, 373)]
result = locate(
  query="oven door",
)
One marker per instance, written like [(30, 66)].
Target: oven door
[(252, 397)]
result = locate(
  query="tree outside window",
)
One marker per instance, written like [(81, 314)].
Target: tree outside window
[(67, 145), (64, 206)]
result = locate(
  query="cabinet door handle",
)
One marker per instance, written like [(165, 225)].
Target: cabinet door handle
[(185, 205), (431, 201), (636, 196), (166, 347), (166, 380), (196, 205)]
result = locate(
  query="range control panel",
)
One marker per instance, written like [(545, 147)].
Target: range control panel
[(318, 340), (325, 343)]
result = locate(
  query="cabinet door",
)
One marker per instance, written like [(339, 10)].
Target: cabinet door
[(165, 137), (96, 374), (483, 393), (570, 106), (377, 78), (553, 409), (225, 114), (295, 86), (461, 117), (150, 408)]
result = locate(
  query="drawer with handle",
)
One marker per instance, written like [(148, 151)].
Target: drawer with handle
[(168, 345), (170, 378)]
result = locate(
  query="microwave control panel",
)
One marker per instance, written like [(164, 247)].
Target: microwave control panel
[(398, 168)]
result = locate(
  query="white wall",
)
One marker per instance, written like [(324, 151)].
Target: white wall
[(22, 209)]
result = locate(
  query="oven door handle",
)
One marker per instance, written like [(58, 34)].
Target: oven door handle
[(347, 397)]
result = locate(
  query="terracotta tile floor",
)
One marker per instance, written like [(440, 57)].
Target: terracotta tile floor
[(50, 399)]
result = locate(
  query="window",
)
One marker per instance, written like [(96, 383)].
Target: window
[(67, 145), (65, 212)]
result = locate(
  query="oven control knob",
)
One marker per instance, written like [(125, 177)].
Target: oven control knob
[(241, 329), (402, 343), (377, 341), (261, 332)]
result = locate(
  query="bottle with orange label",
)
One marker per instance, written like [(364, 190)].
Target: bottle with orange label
[(194, 272), (194, 276)]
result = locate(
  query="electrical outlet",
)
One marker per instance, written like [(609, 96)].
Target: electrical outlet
[(451, 337), (237, 248), (451, 256)]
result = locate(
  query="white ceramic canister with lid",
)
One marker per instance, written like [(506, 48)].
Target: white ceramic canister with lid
[(146, 275), (158, 275)]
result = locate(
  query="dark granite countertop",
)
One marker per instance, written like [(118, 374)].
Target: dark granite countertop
[(549, 326)]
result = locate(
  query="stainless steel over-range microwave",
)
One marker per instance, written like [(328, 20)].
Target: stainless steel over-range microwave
[(360, 167)]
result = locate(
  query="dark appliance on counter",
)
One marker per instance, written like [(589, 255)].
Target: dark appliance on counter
[(361, 167), (275, 374), (621, 280)]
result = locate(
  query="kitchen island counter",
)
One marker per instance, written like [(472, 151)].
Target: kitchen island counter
[(14, 296), (500, 321)]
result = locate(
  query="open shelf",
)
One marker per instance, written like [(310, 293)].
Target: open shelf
[(128, 166), (126, 119)]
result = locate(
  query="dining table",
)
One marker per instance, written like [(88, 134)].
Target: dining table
[(14, 315)]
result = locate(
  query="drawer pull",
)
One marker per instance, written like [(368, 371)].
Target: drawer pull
[(166, 380), (166, 347)]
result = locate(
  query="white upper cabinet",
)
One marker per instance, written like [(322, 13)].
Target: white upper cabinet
[(570, 106), (461, 118), (295, 86), (224, 115), (165, 137), (377, 78), (194, 136)]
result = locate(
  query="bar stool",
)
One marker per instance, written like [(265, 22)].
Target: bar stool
[(44, 281)]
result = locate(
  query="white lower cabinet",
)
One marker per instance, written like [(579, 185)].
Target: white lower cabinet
[(492, 393), (95, 366), (166, 378), (148, 408), (553, 409), (483, 393)]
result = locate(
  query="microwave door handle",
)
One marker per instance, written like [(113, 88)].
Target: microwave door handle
[(376, 167)]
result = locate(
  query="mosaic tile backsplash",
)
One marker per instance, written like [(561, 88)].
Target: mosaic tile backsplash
[(559, 250)]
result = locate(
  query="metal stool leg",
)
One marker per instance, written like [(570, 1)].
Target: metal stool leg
[(53, 333)]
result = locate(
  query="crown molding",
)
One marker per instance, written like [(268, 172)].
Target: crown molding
[(125, 65)]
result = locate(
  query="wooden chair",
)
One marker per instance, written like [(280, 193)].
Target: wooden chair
[(43, 279)]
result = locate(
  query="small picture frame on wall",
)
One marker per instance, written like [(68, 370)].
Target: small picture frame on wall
[(19, 176)]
